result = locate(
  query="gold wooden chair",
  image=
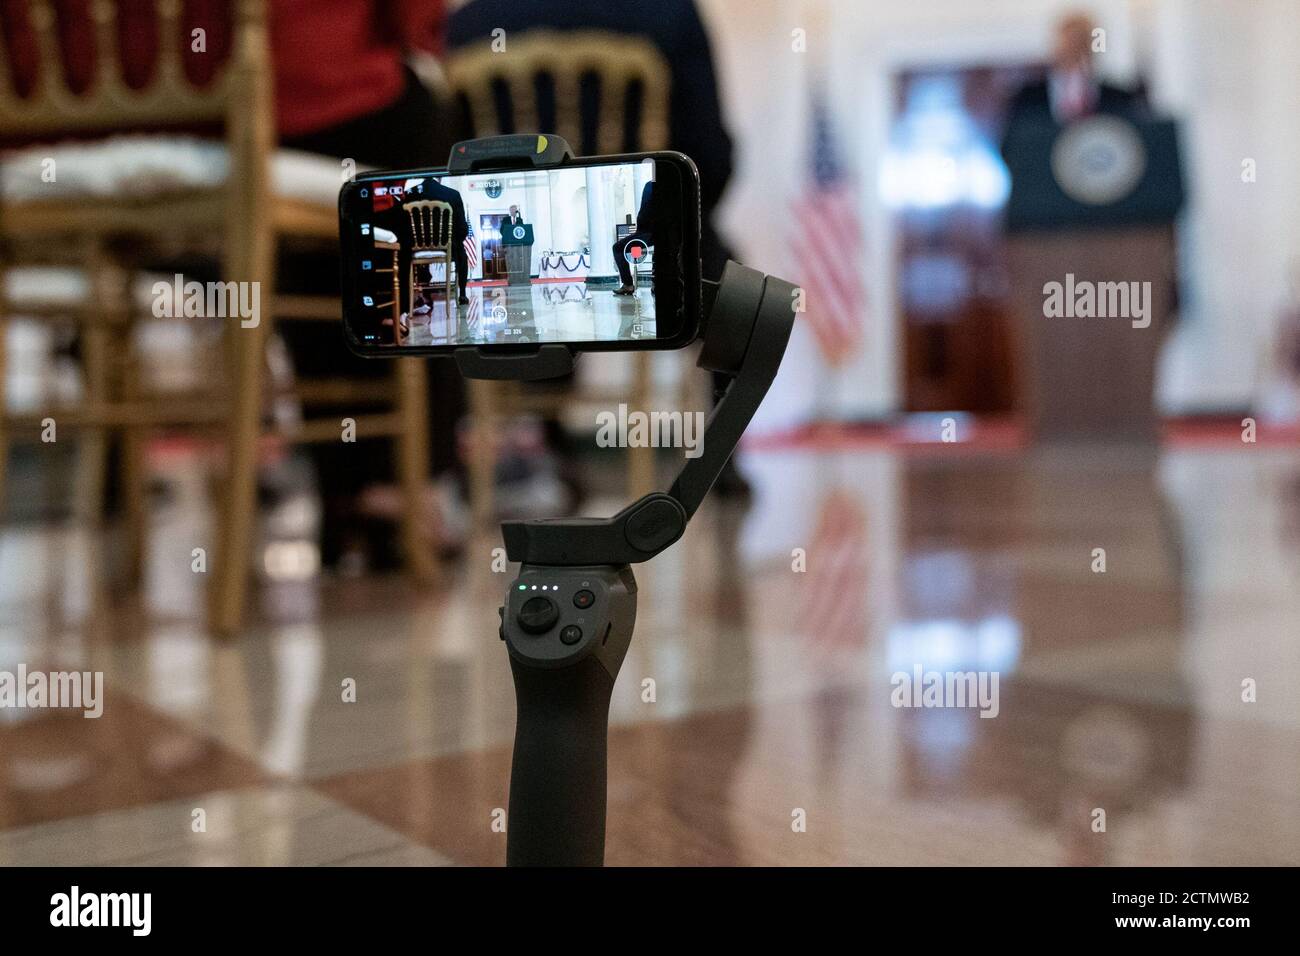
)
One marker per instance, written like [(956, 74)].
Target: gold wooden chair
[(431, 238), (400, 331), (249, 218), (617, 63)]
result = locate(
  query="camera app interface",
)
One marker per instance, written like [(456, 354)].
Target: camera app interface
[(507, 258)]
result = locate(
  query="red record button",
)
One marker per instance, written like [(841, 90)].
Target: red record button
[(583, 600)]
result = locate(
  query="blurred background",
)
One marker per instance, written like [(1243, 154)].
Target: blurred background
[(284, 560)]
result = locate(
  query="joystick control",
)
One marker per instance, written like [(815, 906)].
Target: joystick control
[(538, 615)]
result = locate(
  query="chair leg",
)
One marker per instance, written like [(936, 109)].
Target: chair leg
[(245, 348), (4, 404), (134, 480), (413, 466), (250, 252), (93, 455), (397, 294), (249, 256), (410, 291), (640, 459), (482, 463)]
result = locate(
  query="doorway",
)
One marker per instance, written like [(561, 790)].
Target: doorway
[(946, 187), (494, 256)]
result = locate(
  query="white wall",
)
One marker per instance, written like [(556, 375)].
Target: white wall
[(555, 204), (1229, 69)]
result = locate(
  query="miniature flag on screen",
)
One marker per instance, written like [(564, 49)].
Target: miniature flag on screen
[(828, 246), (471, 247), (474, 315)]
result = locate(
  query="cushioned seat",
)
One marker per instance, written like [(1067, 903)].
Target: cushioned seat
[(152, 167), (44, 285), (36, 286)]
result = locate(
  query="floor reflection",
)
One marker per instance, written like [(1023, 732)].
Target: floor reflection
[(550, 310), (1128, 605)]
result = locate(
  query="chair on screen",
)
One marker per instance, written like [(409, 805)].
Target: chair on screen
[(236, 198), (431, 232), (387, 241), (534, 62)]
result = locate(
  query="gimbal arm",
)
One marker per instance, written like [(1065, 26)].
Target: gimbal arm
[(745, 335)]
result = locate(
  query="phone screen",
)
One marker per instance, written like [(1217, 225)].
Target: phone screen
[(600, 253)]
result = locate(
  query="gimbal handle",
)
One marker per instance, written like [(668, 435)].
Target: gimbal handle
[(558, 776), (567, 630)]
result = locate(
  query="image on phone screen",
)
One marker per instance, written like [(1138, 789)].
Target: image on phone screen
[(514, 257)]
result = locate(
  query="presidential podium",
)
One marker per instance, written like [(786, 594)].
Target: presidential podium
[(517, 241), (1092, 261)]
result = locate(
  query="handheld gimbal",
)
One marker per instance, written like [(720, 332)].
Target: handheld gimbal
[(567, 619)]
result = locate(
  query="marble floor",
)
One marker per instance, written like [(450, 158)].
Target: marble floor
[(548, 310), (1160, 690)]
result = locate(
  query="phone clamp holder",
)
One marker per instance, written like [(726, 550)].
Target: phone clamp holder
[(515, 151), (568, 617)]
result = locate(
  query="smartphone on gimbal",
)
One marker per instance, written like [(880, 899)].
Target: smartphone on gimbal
[(599, 254)]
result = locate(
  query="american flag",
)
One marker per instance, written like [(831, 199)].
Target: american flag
[(828, 246), (471, 247)]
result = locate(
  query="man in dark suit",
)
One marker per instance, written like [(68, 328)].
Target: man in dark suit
[(517, 247), (644, 233), (1072, 90)]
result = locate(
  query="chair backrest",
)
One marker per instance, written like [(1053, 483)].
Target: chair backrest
[(110, 102), (535, 59), (431, 223)]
